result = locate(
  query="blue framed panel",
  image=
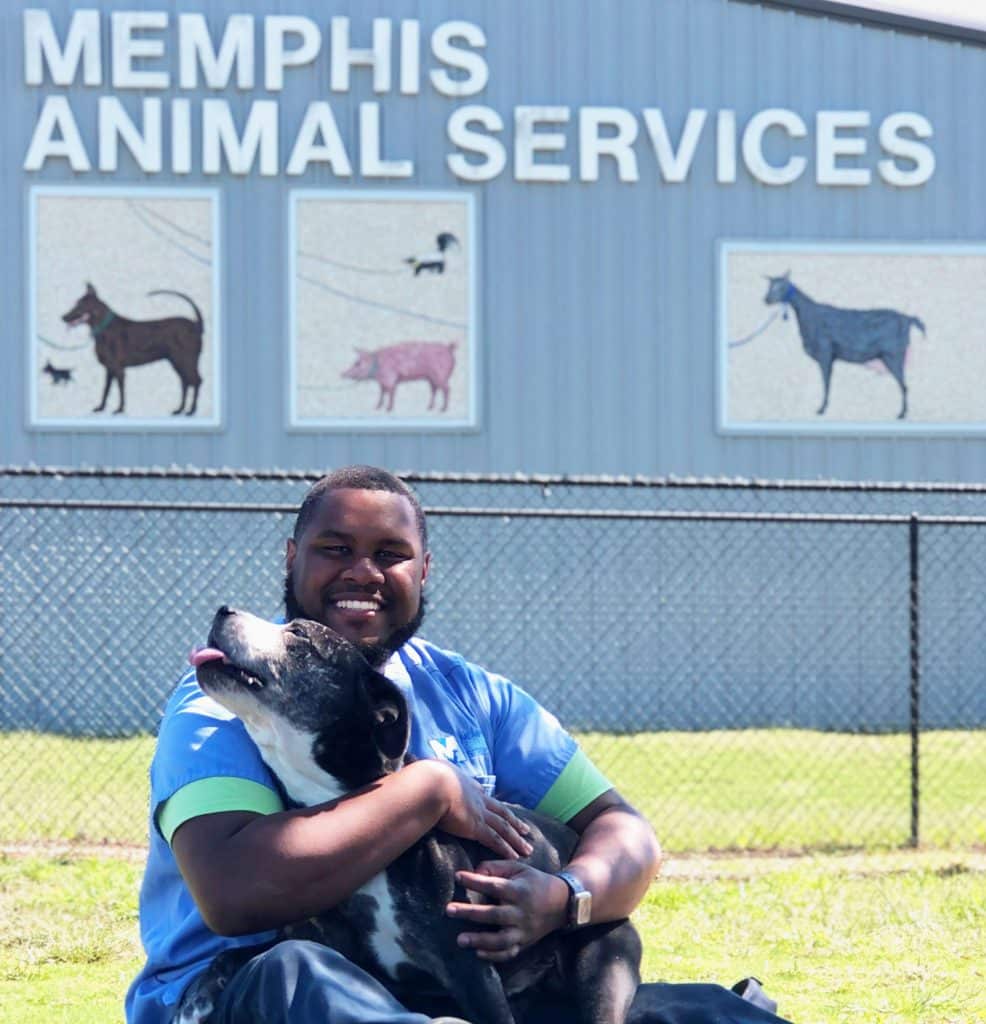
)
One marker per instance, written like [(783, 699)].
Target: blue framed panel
[(895, 327), (125, 325), (383, 311)]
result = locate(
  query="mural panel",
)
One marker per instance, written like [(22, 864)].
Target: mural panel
[(125, 315), (860, 338), (383, 319)]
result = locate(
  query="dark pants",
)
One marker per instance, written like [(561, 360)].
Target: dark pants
[(299, 982)]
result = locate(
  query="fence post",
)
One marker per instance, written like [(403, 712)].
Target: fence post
[(915, 686)]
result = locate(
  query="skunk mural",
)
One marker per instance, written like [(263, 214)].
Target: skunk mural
[(434, 261)]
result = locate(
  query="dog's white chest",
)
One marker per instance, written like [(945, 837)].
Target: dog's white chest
[(385, 938)]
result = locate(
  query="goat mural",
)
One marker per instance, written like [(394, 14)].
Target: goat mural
[(829, 333)]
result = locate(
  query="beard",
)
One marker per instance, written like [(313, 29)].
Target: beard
[(376, 652)]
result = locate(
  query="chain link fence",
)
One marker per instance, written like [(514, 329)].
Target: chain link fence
[(754, 664)]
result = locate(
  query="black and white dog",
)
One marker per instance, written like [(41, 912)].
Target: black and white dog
[(327, 723)]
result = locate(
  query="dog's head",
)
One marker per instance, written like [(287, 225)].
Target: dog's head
[(778, 289), (88, 309), (325, 721)]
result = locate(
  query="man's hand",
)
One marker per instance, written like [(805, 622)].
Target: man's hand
[(471, 814), (616, 858), (526, 905)]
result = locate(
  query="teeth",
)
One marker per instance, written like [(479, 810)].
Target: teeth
[(357, 606)]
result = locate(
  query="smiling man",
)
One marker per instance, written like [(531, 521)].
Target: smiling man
[(229, 863), (357, 562)]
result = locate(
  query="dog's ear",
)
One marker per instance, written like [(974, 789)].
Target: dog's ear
[(89, 288), (391, 725)]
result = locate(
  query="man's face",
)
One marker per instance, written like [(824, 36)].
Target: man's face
[(358, 568)]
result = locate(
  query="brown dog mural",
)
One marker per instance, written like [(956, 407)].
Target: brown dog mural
[(121, 343)]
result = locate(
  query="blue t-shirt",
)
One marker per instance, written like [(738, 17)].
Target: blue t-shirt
[(479, 721)]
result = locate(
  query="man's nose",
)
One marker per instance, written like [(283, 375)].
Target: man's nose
[(364, 570)]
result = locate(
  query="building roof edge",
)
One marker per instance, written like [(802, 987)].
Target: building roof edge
[(878, 19)]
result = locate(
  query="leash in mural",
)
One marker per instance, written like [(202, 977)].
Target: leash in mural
[(328, 387), (143, 215), (62, 348), (350, 297), (755, 334), (150, 212), (432, 261), (339, 265)]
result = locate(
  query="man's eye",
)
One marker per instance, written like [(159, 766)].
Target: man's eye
[(335, 550), (391, 556)]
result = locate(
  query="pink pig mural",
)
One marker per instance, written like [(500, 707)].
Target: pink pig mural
[(432, 361)]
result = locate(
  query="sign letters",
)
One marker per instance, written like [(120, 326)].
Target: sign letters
[(192, 126)]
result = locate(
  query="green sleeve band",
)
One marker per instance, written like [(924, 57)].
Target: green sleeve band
[(209, 796), (578, 785)]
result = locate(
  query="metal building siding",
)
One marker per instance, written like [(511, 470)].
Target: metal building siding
[(597, 304), (13, 289)]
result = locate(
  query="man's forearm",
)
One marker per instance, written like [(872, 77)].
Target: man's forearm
[(271, 870), (250, 872), (616, 859)]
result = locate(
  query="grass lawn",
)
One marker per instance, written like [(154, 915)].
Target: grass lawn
[(756, 789), (68, 788), (796, 789), (68, 938), (895, 938), (891, 938)]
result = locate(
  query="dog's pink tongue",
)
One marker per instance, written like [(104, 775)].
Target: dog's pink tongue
[(200, 655)]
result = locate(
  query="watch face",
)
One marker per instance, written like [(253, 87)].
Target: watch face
[(579, 901), (583, 907)]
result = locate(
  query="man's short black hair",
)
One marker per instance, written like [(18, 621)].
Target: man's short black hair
[(358, 478)]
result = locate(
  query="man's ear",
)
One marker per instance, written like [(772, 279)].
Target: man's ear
[(391, 725), (290, 550), (425, 566)]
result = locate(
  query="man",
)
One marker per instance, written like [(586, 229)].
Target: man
[(228, 864)]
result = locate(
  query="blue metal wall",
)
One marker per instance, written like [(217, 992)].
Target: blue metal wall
[(596, 300)]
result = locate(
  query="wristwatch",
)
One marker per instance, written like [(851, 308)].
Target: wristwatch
[(579, 901)]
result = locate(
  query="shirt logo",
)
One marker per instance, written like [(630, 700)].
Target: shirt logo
[(447, 748)]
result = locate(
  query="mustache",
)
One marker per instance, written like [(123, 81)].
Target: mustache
[(375, 653)]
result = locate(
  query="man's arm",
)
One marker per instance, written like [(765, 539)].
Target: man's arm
[(616, 859), (251, 872), (617, 856)]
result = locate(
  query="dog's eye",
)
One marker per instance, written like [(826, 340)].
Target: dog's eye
[(297, 631)]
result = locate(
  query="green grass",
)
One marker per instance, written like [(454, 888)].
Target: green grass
[(896, 938), (835, 939), (795, 789), (765, 789), (72, 789), (890, 938), (68, 938)]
